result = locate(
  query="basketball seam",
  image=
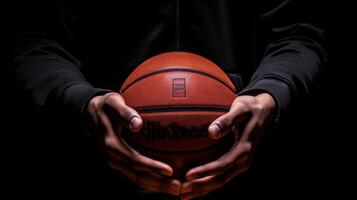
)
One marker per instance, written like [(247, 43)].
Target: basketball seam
[(181, 108), (178, 70)]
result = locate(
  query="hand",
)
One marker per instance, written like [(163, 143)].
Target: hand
[(106, 117), (247, 118)]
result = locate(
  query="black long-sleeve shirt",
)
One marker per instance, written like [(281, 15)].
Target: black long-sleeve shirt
[(69, 51)]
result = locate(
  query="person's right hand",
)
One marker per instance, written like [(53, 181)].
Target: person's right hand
[(107, 115)]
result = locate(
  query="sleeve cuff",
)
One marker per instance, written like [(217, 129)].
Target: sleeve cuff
[(278, 89), (76, 96)]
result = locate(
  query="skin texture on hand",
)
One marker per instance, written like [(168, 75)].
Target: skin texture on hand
[(107, 115), (248, 117)]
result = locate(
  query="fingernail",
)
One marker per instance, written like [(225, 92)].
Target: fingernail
[(191, 177), (135, 123), (214, 130), (166, 173)]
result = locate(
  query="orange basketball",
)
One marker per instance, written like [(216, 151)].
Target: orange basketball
[(178, 95)]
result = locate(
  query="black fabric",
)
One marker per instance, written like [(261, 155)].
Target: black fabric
[(65, 52), (65, 47)]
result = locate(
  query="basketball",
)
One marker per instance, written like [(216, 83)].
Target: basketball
[(178, 95)]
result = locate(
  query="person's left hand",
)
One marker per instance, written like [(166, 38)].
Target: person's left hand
[(247, 118)]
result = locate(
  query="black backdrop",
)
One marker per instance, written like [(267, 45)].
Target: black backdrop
[(308, 156)]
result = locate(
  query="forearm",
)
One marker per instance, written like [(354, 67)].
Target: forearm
[(50, 74), (287, 71), (294, 54)]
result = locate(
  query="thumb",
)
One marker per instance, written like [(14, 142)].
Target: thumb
[(225, 123), (130, 118), (115, 105), (135, 122), (221, 126)]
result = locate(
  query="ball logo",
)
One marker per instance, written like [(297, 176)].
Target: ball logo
[(179, 87), (154, 130)]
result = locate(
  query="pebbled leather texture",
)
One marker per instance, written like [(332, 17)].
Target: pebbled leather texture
[(178, 95)]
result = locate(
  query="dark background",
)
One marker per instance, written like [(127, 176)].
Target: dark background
[(309, 156)]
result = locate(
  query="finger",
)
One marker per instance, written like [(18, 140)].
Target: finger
[(251, 131), (115, 106), (92, 109), (105, 124), (119, 150), (171, 186), (147, 164), (203, 186), (160, 184), (195, 184), (156, 183), (236, 154), (149, 181), (192, 189), (212, 168), (224, 124)]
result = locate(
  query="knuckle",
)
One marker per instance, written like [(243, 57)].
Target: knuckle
[(252, 99), (246, 147), (259, 108), (107, 98), (243, 107), (99, 109), (92, 107), (95, 101), (110, 142), (112, 97), (99, 106), (243, 150)]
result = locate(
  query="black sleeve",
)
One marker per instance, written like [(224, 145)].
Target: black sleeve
[(294, 54), (47, 71)]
